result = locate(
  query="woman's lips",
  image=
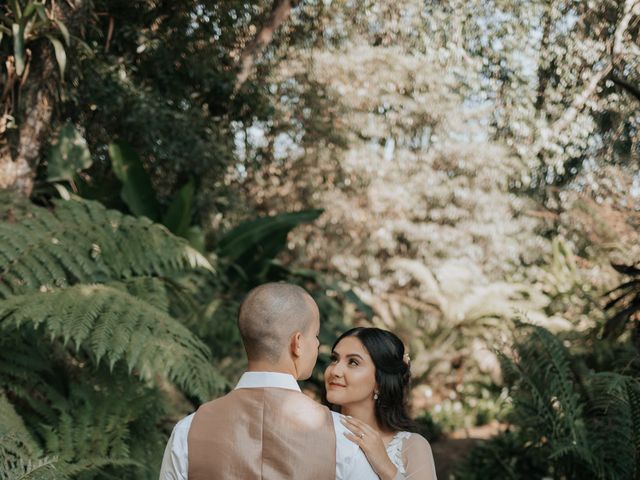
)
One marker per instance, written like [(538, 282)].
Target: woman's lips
[(336, 385)]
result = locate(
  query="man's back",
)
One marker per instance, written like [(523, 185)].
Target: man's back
[(262, 433)]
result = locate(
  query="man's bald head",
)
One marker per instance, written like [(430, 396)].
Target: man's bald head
[(270, 315)]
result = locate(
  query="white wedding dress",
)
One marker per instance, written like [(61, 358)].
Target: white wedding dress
[(411, 454)]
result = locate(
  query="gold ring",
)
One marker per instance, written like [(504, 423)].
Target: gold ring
[(361, 434)]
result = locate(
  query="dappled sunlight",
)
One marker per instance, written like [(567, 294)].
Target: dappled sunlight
[(464, 174)]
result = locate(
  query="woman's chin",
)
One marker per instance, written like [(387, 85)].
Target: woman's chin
[(333, 399)]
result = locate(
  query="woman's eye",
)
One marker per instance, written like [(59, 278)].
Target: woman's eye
[(334, 359), (353, 362)]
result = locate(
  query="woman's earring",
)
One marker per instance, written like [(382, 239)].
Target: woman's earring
[(375, 395)]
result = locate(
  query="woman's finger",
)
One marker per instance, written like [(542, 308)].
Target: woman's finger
[(368, 429), (349, 423), (353, 428), (355, 439), (354, 421), (359, 426)]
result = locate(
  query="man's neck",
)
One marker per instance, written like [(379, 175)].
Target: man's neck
[(261, 366)]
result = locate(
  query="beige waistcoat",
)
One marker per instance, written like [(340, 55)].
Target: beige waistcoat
[(262, 434)]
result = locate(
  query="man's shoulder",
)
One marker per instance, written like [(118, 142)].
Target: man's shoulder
[(297, 404), (181, 430), (185, 423)]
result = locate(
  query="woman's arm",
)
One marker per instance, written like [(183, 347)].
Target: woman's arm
[(418, 459)]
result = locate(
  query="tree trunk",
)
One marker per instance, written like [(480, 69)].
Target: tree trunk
[(31, 101), (35, 105), (279, 13), (546, 66)]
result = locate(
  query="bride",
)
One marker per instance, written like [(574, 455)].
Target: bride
[(368, 380)]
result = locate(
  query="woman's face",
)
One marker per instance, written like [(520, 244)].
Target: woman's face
[(351, 376)]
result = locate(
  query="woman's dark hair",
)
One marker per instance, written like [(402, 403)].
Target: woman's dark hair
[(392, 376)]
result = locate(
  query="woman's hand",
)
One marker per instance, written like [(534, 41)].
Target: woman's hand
[(372, 445)]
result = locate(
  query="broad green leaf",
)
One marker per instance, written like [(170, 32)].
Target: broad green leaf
[(254, 244), (68, 156), (137, 191), (64, 31), (178, 217), (195, 235), (42, 12), (61, 55), (16, 10), (30, 10)]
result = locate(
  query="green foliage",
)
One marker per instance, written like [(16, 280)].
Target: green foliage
[(141, 199), (91, 331), (82, 242), (569, 422), (20, 456), (471, 404), (252, 246), (69, 155), (178, 216), (625, 305), (137, 191), (504, 457), (26, 21), (427, 427), (113, 325)]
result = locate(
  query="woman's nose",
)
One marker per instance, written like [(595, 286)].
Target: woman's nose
[(337, 370)]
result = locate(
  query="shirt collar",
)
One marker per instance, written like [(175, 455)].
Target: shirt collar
[(268, 380)]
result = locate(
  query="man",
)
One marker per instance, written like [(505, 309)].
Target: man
[(267, 428)]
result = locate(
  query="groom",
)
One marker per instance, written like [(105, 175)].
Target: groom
[(267, 428)]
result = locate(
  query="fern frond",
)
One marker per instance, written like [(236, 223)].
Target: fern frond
[(20, 456), (152, 290), (113, 325), (12, 423), (615, 424), (83, 242), (505, 456), (544, 386), (17, 467)]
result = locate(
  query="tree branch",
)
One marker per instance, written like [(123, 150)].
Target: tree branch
[(631, 8), (626, 85), (279, 13)]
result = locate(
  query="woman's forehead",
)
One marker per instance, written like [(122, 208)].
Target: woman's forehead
[(349, 345)]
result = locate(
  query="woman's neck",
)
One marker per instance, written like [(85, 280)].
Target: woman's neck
[(364, 412)]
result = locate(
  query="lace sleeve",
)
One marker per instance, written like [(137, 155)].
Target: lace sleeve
[(417, 459)]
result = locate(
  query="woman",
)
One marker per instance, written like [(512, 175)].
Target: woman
[(368, 379)]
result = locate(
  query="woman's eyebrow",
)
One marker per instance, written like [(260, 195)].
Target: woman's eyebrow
[(354, 355), (357, 355)]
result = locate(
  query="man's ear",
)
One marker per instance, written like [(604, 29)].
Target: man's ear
[(296, 345)]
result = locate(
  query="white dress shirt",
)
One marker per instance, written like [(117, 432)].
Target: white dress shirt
[(351, 464)]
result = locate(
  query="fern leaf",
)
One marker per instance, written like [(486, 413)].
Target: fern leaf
[(111, 324), (83, 242)]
